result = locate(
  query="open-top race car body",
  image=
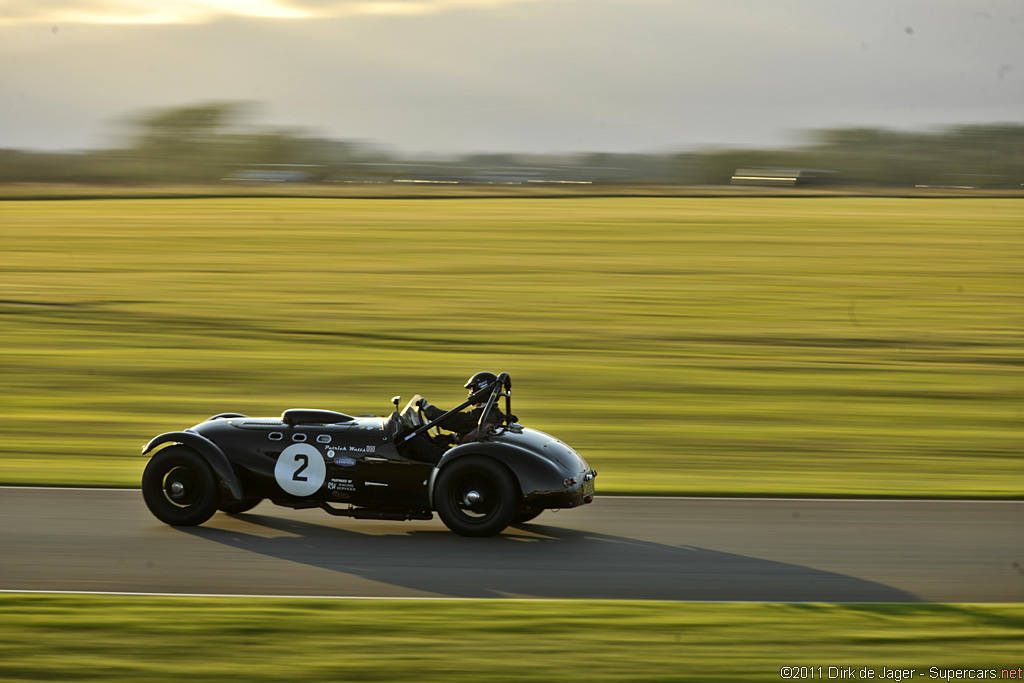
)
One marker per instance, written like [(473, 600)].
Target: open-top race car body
[(366, 467)]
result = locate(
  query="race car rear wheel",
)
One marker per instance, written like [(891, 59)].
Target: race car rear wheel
[(476, 496), (179, 487), (237, 507)]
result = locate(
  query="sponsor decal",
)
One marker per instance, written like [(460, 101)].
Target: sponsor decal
[(341, 485), (345, 461)]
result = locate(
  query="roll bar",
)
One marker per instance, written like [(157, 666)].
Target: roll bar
[(493, 393)]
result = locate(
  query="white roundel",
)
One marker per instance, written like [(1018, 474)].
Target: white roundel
[(300, 470)]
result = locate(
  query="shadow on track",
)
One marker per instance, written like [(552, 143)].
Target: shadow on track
[(537, 561)]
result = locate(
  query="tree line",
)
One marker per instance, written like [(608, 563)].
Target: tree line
[(207, 143)]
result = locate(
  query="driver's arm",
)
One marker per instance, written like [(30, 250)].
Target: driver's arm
[(459, 422)]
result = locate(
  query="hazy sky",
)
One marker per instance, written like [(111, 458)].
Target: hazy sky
[(513, 75)]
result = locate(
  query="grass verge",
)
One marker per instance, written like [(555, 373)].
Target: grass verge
[(102, 638)]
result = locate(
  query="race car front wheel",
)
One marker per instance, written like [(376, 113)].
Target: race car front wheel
[(179, 487), (476, 496)]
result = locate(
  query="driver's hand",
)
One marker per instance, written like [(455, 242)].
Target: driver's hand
[(422, 404)]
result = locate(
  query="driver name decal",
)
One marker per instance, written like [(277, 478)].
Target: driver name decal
[(352, 449), (300, 470)]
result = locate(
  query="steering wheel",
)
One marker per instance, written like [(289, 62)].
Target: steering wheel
[(411, 414), (417, 418), (434, 431)]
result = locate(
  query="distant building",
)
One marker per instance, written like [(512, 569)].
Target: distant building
[(277, 173), (781, 177)]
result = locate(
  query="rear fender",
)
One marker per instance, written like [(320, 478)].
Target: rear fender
[(210, 452), (533, 473)]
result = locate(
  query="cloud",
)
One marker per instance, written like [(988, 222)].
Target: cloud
[(200, 11)]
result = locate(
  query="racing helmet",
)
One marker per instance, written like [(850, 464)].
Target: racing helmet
[(480, 381)]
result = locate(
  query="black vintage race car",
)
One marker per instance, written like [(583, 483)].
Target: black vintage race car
[(366, 467)]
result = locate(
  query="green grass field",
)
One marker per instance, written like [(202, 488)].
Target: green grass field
[(113, 639), (813, 346)]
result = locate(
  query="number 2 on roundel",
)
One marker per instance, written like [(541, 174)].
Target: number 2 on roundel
[(297, 474)]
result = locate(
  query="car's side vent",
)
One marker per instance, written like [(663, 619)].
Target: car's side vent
[(276, 436), (299, 437), (323, 438)]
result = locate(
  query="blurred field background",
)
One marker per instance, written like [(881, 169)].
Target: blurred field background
[(809, 346), (213, 639)]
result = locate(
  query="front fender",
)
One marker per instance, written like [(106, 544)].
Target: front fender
[(209, 450)]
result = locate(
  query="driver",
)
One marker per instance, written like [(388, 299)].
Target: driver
[(463, 424)]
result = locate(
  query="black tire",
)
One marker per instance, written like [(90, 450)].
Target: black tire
[(179, 487), (237, 507), (487, 513), (525, 514)]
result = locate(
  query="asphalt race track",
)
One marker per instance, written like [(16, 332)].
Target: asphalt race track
[(636, 548)]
